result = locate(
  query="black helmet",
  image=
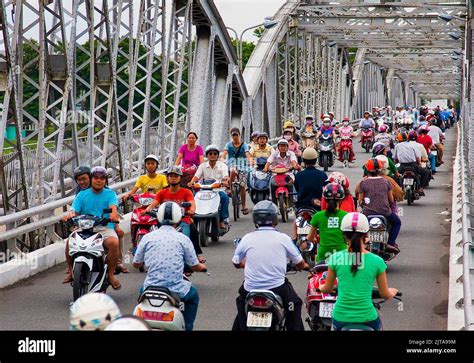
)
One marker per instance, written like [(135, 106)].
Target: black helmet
[(265, 213), (80, 170)]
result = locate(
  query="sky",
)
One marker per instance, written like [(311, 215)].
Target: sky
[(241, 14)]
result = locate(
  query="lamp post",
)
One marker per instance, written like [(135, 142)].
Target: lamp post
[(267, 24)]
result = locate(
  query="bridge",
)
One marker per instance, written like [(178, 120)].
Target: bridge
[(107, 82)]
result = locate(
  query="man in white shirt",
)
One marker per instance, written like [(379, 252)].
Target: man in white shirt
[(215, 169), (437, 136), (263, 254)]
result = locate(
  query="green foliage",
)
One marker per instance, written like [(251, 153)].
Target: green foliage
[(352, 54), (247, 49), (259, 32)]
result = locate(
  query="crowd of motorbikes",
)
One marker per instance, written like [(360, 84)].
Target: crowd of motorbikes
[(161, 308)]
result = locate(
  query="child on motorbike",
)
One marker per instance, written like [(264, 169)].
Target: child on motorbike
[(347, 204), (328, 222), (293, 145), (151, 182), (355, 284)]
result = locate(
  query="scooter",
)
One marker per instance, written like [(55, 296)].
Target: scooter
[(308, 138), (88, 256), (259, 182), (379, 229), (141, 224), (326, 156), (303, 217), (410, 185), (319, 305), (346, 154), (207, 211), (367, 137), (282, 194)]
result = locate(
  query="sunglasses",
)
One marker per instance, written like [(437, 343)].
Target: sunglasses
[(212, 153)]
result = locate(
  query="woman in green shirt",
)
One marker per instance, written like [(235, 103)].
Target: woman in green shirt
[(356, 270), (329, 223)]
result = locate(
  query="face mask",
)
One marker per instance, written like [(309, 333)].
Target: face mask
[(287, 137), (326, 124), (346, 123), (309, 122)]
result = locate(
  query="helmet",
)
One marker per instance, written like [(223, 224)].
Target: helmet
[(310, 153), (254, 134), (333, 191), (384, 160), (93, 311), (412, 135), (288, 130), (265, 213), (338, 178), (402, 136), (383, 128), (212, 148), (378, 148), (355, 222), (309, 116), (424, 128), (80, 170), (234, 131), (99, 171), (288, 124), (263, 134), (373, 165), (174, 169), (169, 213), (345, 119), (129, 323), (282, 141), (152, 157), (326, 119), (331, 113)]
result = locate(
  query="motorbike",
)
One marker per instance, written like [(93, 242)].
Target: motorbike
[(141, 224), (207, 211), (367, 137), (410, 185), (259, 182), (326, 156), (377, 304), (308, 138), (282, 194), (303, 217), (379, 229), (319, 305), (188, 173), (88, 256), (345, 150)]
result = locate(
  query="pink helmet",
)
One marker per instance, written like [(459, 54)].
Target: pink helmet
[(339, 178), (383, 128)]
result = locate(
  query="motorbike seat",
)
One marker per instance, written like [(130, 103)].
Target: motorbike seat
[(356, 327), (320, 267), (267, 293), (301, 210), (150, 290)]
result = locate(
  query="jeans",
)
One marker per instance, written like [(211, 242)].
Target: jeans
[(433, 162), (396, 224), (185, 229), (422, 172), (224, 207), (191, 302), (291, 303), (374, 324)]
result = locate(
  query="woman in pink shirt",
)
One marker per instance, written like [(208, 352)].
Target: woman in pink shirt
[(293, 145), (190, 156)]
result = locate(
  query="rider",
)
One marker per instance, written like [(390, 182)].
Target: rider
[(334, 122), (356, 279), (93, 311), (151, 182), (282, 157), (236, 155), (328, 222), (263, 254), (293, 145), (93, 201), (309, 184), (375, 198), (215, 169), (346, 131), (82, 177), (367, 122), (409, 156), (254, 139), (327, 130), (427, 142), (164, 252), (263, 148), (384, 137), (290, 125), (437, 136), (413, 137), (347, 204), (380, 149)]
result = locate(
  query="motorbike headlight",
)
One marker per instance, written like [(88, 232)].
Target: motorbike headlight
[(145, 201), (85, 223)]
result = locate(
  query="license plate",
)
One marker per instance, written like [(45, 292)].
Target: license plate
[(408, 181), (325, 310), (304, 230), (377, 237), (259, 320)]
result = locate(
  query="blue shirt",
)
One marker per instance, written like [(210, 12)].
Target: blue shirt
[(309, 184), (88, 202), (236, 156), (164, 253)]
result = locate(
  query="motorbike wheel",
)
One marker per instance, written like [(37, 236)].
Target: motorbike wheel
[(235, 201), (345, 157), (282, 206), (202, 229), (316, 324), (139, 239), (325, 163), (78, 287), (367, 147), (409, 196)]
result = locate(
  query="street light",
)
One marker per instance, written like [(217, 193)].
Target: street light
[(267, 24)]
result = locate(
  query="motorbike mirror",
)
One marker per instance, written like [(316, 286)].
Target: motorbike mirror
[(309, 247), (108, 210), (237, 241)]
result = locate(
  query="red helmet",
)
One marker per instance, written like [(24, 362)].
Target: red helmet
[(383, 128), (412, 135), (402, 136), (373, 165), (333, 191), (339, 178), (345, 119)]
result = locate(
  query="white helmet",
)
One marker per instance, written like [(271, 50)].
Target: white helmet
[(93, 311), (169, 213), (152, 157), (129, 323), (326, 119), (212, 147), (309, 116), (283, 141), (355, 222), (384, 160)]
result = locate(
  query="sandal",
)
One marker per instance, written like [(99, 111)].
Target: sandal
[(115, 284), (245, 211), (68, 279), (201, 259), (122, 269)]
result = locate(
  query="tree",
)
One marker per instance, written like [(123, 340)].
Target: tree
[(247, 49)]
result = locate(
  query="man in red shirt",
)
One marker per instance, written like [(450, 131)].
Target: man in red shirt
[(427, 142)]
